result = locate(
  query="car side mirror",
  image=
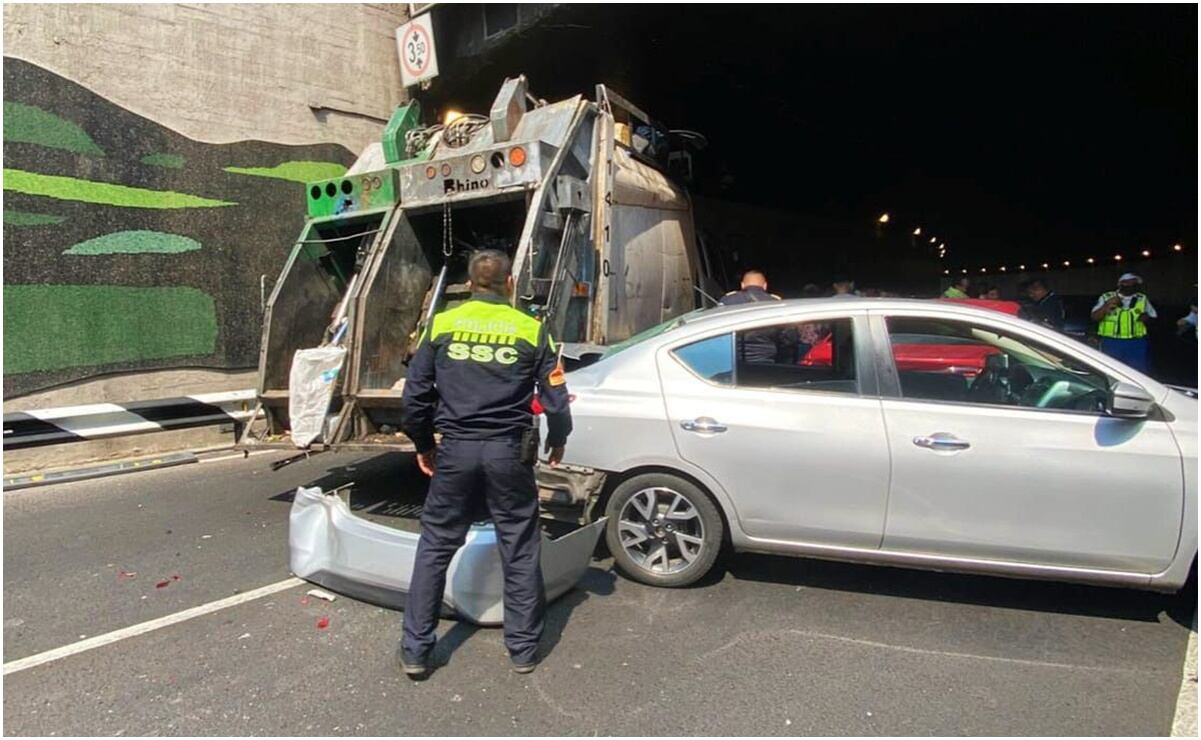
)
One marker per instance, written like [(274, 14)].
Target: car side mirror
[(1128, 401)]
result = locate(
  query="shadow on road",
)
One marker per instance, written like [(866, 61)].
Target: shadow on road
[(1009, 593)]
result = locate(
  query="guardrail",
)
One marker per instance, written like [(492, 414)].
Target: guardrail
[(40, 427)]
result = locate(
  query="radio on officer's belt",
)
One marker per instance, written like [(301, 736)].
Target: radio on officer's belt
[(529, 446)]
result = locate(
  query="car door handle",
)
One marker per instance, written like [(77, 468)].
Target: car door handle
[(942, 441), (703, 425)]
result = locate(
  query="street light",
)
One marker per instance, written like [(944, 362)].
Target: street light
[(1177, 248), (933, 239), (1090, 260), (1046, 266), (1022, 268), (1067, 263), (918, 232), (1146, 252), (1117, 258), (883, 218)]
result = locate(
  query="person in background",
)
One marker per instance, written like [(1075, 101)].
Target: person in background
[(957, 289), (811, 291), (844, 287), (1122, 316), (993, 294), (753, 289), (760, 346), (1187, 323), (1045, 306)]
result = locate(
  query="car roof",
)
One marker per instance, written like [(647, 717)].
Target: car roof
[(768, 308)]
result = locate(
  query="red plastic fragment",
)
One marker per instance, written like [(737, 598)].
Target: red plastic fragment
[(163, 583), (322, 623), (177, 577), (304, 601)]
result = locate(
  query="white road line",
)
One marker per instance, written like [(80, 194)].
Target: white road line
[(141, 629), (1184, 724), (920, 651)]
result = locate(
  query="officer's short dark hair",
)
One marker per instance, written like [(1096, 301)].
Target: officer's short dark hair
[(1040, 282), (488, 271)]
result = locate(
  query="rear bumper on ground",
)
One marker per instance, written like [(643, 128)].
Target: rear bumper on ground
[(332, 547)]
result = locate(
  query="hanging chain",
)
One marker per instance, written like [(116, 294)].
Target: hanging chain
[(447, 236)]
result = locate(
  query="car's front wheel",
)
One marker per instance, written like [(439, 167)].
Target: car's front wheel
[(663, 530)]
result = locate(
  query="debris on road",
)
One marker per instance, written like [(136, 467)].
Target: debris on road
[(206, 536), (123, 574), (243, 636), (318, 593), (163, 583), (322, 623)]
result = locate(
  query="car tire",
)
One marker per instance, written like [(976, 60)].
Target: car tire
[(683, 520)]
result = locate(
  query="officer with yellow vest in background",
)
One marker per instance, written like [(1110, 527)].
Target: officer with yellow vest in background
[(1122, 317), (473, 379)]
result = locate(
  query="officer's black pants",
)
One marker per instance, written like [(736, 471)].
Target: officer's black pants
[(468, 473)]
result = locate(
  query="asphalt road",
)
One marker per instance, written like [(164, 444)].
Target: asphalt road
[(769, 646)]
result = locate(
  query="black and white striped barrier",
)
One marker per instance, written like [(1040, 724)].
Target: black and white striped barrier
[(100, 420)]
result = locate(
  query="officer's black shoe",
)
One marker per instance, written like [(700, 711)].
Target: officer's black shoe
[(527, 667), (414, 670)]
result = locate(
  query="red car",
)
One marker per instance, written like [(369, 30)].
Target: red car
[(918, 353)]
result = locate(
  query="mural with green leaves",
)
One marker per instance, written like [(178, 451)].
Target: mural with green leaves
[(129, 247)]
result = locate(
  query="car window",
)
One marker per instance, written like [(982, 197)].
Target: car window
[(957, 361), (712, 358), (812, 355)]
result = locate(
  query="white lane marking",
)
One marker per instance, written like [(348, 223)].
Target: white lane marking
[(926, 651), (238, 455), (140, 629), (1184, 723)]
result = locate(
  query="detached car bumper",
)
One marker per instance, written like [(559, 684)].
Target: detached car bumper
[(332, 547)]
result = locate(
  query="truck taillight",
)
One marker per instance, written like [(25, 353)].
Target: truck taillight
[(430, 172), (517, 156)]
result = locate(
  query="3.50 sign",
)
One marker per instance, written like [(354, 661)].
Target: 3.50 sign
[(415, 47)]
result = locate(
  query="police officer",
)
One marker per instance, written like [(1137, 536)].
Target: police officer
[(752, 290), (1122, 318), (473, 379), (1045, 307)]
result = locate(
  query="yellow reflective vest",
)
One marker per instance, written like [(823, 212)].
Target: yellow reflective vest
[(1124, 323)]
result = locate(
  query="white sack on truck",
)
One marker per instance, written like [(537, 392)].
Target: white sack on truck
[(311, 389)]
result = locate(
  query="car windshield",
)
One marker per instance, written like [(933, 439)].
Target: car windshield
[(650, 333)]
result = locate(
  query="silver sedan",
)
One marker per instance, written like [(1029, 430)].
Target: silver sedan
[(912, 433)]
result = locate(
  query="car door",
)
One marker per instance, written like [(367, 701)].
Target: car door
[(1005, 452), (799, 448)]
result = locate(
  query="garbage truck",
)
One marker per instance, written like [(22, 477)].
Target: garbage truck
[(583, 194)]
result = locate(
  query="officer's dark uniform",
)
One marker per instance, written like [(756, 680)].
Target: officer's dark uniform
[(472, 378), (761, 346)]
